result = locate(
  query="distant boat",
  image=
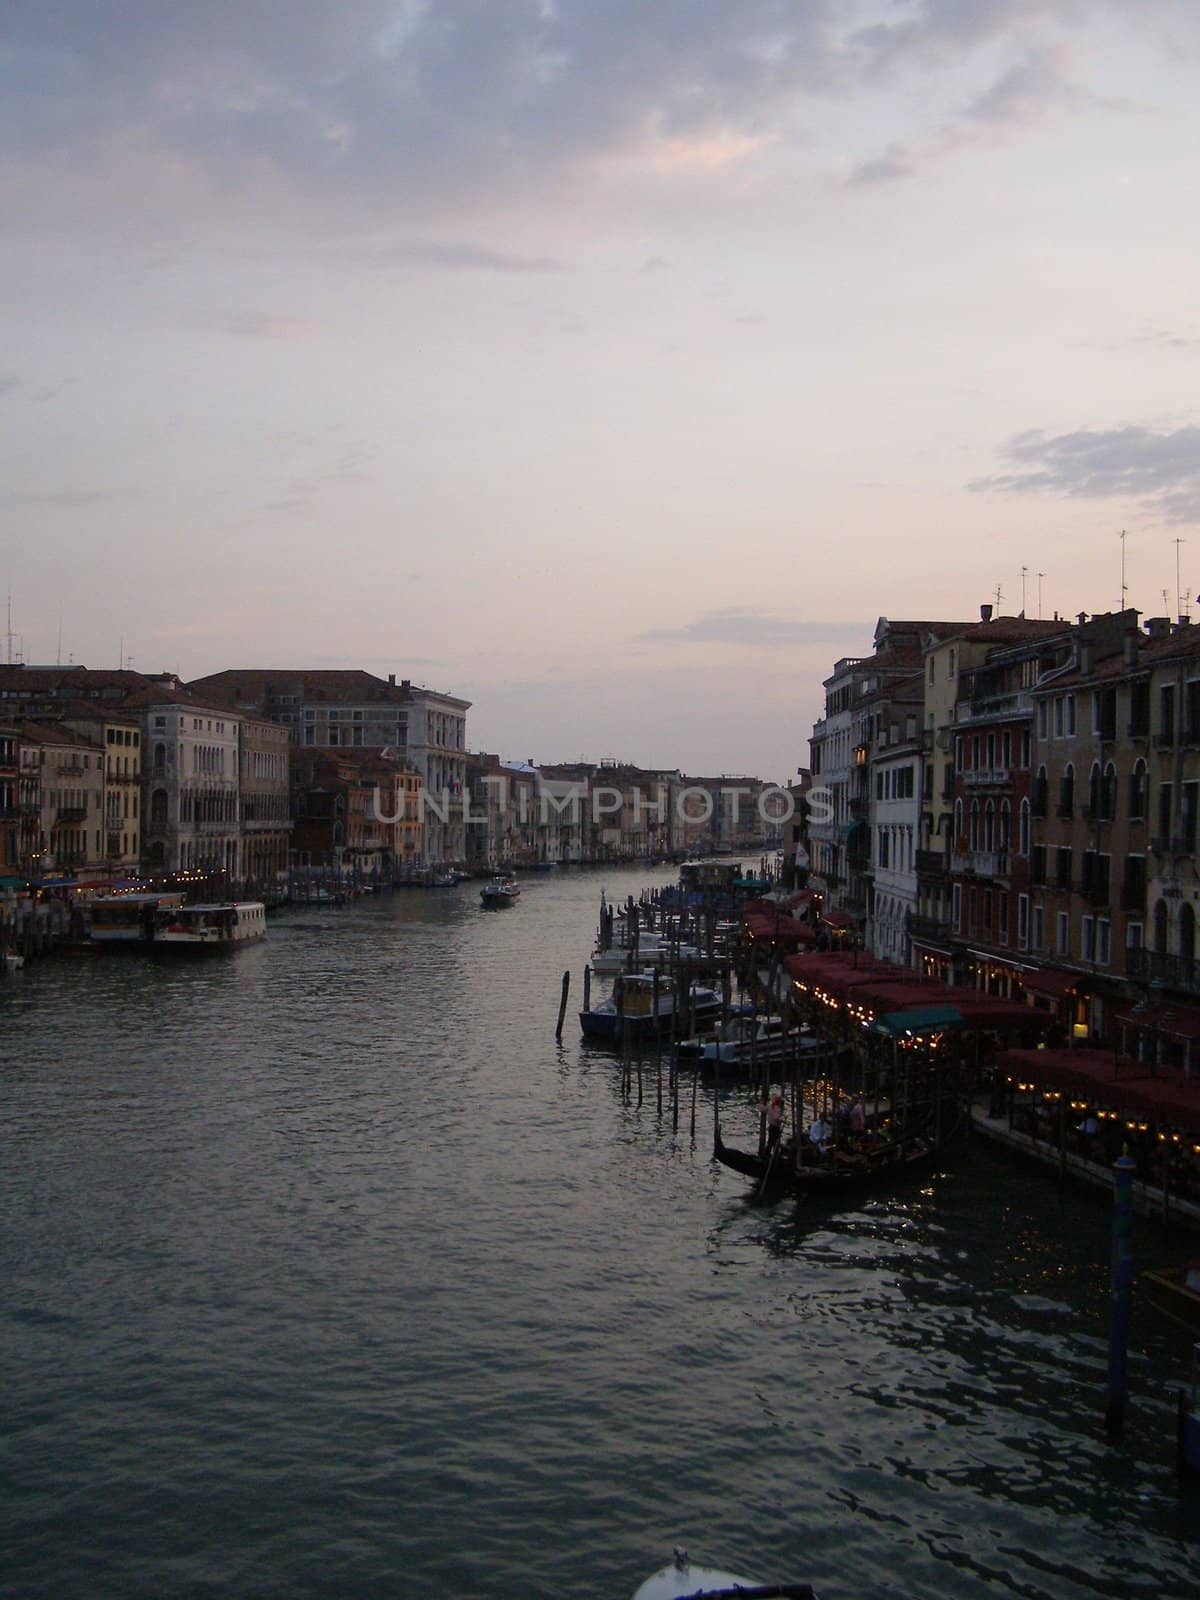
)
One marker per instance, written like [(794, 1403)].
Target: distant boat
[(682, 1581), (500, 892)]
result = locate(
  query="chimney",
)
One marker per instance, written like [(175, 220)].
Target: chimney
[(985, 613), (1081, 618), (1158, 627), (391, 680)]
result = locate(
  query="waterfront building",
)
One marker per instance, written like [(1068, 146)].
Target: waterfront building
[(10, 809), (191, 823), (60, 783), (264, 804), (356, 813), (839, 831), (892, 722), (352, 709), (973, 864)]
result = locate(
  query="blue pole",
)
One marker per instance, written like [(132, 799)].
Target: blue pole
[(1122, 1290)]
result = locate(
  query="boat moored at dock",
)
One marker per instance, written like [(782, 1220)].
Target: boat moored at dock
[(214, 927), (643, 1004)]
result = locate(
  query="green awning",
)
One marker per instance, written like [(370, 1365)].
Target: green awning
[(927, 1019)]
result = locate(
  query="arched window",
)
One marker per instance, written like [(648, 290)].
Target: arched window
[(158, 805), (989, 826), (1023, 825), (1187, 937), (1139, 791), (974, 824), (1160, 927), (1095, 797), (1005, 840), (958, 820), (1041, 793), (1108, 793), (160, 757), (1066, 792)]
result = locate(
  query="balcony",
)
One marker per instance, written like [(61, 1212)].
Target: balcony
[(928, 927), (71, 769), (1172, 972), (67, 814), (123, 777), (987, 778), (989, 707), (981, 863)]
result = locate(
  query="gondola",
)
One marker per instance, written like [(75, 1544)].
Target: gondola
[(833, 1173)]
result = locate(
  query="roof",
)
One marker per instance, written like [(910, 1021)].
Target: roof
[(338, 686)]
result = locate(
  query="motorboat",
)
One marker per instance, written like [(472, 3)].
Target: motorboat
[(500, 892), (643, 1004), (756, 1041), (682, 1581)]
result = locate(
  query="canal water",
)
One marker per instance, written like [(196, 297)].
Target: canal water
[(324, 1272)]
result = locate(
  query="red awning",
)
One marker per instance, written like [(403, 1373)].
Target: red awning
[(1052, 983), (1095, 1073), (1176, 1022), (837, 919)]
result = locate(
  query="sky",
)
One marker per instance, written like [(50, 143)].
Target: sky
[(613, 364)]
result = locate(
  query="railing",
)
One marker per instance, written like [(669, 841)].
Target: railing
[(987, 778), (70, 814), (71, 769), (992, 706), (983, 863), (1173, 972)]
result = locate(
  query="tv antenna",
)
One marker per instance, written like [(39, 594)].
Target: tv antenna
[(1024, 570), (1182, 601), (1040, 576), (1124, 585), (999, 597)]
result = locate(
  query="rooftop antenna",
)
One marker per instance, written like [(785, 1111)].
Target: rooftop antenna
[(1024, 570), (1124, 585), (1182, 601), (999, 597), (10, 659), (1040, 576), (58, 657)]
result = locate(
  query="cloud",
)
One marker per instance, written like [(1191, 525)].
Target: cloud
[(407, 107), (1161, 470), (762, 629), (460, 257)]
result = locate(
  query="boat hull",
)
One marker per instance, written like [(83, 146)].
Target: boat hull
[(879, 1169)]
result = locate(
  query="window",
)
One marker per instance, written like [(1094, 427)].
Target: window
[(1066, 792), (1063, 940), (1041, 789), (1104, 713), (1088, 942), (1059, 720), (1166, 714), (1069, 708), (1103, 941), (1025, 749), (1139, 709), (1037, 865), (1062, 867), (1139, 791), (1039, 928), (1023, 828), (1043, 719), (1023, 921), (1134, 935), (1002, 916), (1164, 810)]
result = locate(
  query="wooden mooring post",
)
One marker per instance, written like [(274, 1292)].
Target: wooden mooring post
[(562, 1004)]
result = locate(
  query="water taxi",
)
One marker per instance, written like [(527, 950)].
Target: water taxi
[(500, 892), (639, 1006)]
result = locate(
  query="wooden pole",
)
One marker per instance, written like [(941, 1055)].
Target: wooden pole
[(562, 1004)]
